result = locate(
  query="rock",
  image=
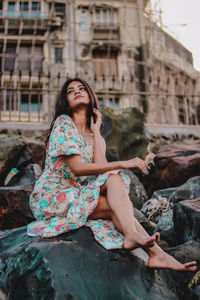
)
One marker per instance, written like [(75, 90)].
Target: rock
[(125, 133), (189, 190), (165, 193), (155, 207), (14, 206), (165, 227), (10, 151), (137, 193), (186, 216), (75, 266), (14, 200), (148, 225), (189, 251), (38, 150), (165, 222), (174, 164)]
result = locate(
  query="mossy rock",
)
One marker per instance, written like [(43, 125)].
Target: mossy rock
[(124, 132)]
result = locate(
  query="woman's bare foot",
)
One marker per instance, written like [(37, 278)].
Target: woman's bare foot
[(162, 260), (136, 240)]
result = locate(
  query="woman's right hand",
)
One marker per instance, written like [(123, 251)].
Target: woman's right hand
[(136, 163)]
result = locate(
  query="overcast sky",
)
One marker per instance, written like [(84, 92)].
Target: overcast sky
[(178, 12)]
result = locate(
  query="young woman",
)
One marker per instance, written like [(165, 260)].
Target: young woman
[(79, 187)]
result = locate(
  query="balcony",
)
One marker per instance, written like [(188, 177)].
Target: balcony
[(105, 31), (16, 22)]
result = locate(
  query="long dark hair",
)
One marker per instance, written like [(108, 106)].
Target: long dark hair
[(62, 106)]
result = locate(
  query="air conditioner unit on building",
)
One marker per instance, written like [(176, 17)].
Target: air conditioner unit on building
[(84, 52)]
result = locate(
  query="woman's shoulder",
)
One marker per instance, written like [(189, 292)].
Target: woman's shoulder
[(64, 120)]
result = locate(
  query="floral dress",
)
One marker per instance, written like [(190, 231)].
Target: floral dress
[(62, 201)]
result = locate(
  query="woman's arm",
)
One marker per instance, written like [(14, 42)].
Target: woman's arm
[(99, 147), (99, 142), (80, 168)]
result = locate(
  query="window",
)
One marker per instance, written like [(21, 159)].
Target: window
[(34, 102), (1, 7), (24, 60), (28, 9), (38, 58), (58, 55), (11, 100), (181, 109), (114, 103), (35, 6), (84, 19), (59, 9), (105, 62), (28, 63), (105, 15), (10, 57), (24, 6), (11, 9), (101, 101)]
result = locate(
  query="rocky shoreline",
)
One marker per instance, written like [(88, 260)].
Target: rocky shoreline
[(73, 265)]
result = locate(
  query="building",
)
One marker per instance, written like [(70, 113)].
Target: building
[(127, 58)]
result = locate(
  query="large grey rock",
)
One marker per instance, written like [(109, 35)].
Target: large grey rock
[(174, 164), (165, 222), (10, 151), (75, 266), (166, 193), (186, 216), (124, 132), (189, 190), (137, 193), (189, 251), (165, 227)]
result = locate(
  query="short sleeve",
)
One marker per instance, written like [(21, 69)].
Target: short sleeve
[(63, 138)]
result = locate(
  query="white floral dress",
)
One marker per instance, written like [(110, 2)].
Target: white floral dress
[(61, 201)]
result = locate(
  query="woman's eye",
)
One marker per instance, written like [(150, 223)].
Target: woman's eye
[(82, 89), (70, 91)]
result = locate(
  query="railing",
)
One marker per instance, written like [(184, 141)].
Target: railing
[(30, 99)]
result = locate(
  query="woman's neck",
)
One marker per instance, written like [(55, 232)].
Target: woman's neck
[(80, 120)]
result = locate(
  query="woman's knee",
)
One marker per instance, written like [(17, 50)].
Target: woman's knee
[(115, 179)]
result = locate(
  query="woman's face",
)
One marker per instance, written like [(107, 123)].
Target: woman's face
[(77, 95)]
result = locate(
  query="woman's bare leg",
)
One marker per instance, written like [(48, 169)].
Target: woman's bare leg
[(122, 208), (158, 258), (124, 216), (103, 211)]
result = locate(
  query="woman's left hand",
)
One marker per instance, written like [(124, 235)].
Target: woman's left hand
[(96, 125)]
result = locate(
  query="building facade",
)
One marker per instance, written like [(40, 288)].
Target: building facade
[(128, 60)]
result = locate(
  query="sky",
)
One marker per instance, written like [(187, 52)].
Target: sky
[(181, 18)]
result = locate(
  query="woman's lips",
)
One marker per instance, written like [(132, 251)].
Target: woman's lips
[(78, 96)]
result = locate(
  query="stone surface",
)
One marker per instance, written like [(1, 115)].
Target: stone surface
[(137, 193), (166, 193), (10, 151), (14, 199), (174, 164), (147, 224), (155, 207), (75, 266), (186, 216), (189, 190), (189, 251), (124, 132), (165, 222), (37, 150)]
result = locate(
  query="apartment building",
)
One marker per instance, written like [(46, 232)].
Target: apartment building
[(128, 60)]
